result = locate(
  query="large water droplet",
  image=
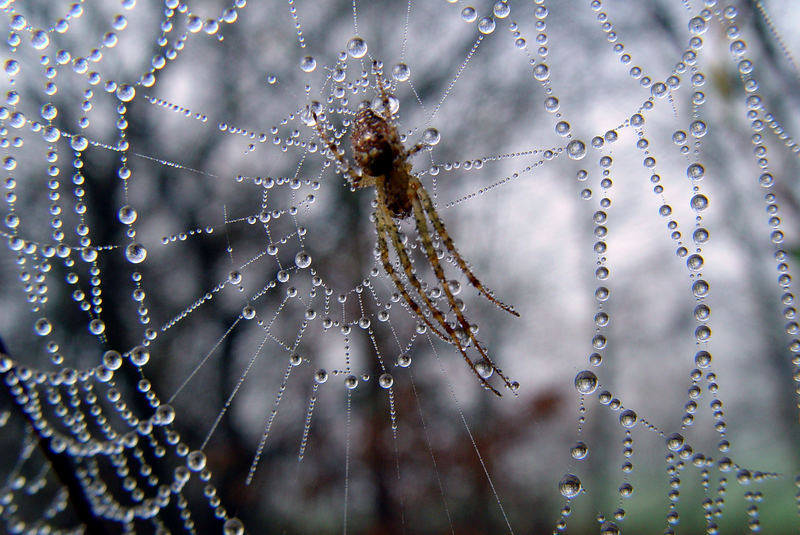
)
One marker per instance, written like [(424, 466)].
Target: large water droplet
[(385, 380), (302, 259), (308, 64), (628, 419), (350, 382), (486, 25), (357, 47), (135, 253), (196, 460), (43, 327), (40, 40), (586, 382), (569, 486), (431, 136), (401, 72), (126, 92), (576, 149), (233, 526)]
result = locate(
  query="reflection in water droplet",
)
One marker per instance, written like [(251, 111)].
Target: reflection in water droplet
[(196, 460), (468, 14), (431, 136), (579, 450), (486, 25), (586, 382), (42, 327), (350, 382), (628, 418), (308, 64), (576, 149), (357, 47), (385, 380), (569, 486), (401, 72), (135, 253)]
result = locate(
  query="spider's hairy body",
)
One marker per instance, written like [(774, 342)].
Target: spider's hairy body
[(380, 154), (384, 163)]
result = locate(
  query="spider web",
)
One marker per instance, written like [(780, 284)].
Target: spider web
[(198, 333)]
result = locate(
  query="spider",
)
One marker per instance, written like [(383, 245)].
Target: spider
[(382, 162)]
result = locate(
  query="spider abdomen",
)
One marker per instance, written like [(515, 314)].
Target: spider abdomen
[(375, 142)]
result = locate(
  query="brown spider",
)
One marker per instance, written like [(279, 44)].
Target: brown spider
[(383, 163)]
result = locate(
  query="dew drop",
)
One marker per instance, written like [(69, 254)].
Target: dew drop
[(404, 360), (579, 450), (385, 380), (320, 376), (455, 287), (112, 359), (308, 64), (486, 25), (699, 202), (350, 382), (468, 14), (674, 442), (196, 460), (79, 143), (697, 26), (694, 262), (609, 528), (42, 327), (702, 359), (700, 288), (401, 72), (541, 72), (431, 137), (11, 67), (302, 259), (139, 356), (357, 47), (501, 10), (576, 149), (97, 326), (135, 253), (695, 171), (40, 40), (569, 486), (233, 526), (165, 414), (484, 369), (126, 92), (659, 90), (628, 419), (586, 382), (698, 128), (127, 215), (679, 137)]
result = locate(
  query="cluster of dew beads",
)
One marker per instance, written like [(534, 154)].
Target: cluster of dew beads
[(761, 119), (678, 453)]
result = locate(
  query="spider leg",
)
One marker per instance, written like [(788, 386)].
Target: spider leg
[(353, 176), (386, 225), (422, 228), (387, 111), (448, 243), (415, 149), (387, 266)]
